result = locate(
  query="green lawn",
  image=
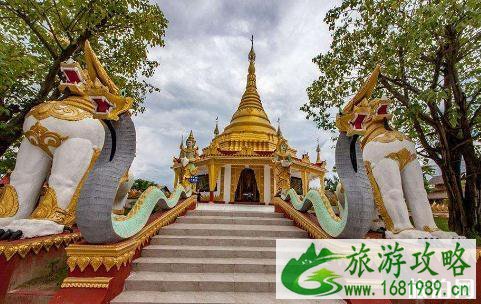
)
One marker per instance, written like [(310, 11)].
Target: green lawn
[(442, 223)]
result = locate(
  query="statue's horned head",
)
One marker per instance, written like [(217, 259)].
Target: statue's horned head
[(380, 109), (94, 84), (75, 78), (358, 113)]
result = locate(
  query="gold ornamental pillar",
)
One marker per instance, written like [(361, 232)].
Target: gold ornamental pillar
[(176, 177), (212, 180), (305, 182)]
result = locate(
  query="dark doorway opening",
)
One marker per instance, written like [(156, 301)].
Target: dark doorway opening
[(296, 184), (247, 187)]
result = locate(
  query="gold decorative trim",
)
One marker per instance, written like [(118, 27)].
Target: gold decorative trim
[(313, 230), (430, 229), (80, 103), (83, 255), (118, 211), (396, 231), (41, 137), (86, 282), (48, 208), (124, 177), (372, 132), (378, 197), (206, 198), (23, 247), (71, 109), (377, 132), (403, 157), (390, 136), (8, 201)]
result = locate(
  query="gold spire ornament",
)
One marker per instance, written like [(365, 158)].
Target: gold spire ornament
[(279, 132), (216, 130), (318, 151), (250, 115), (249, 130)]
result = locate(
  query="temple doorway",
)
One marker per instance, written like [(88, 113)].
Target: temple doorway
[(247, 187)]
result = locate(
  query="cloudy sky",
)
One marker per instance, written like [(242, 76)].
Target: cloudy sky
[(203, 68)]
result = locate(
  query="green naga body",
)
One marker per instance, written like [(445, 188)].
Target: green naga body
[(295, 268), (128, 225), (357, 211)]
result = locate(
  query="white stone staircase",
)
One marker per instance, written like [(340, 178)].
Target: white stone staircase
[(214, 254)]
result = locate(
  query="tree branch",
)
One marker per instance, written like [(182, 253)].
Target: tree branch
[(33, 28), (417, 125)]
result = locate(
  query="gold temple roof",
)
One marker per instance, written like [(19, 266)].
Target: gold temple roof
[(249, 127)]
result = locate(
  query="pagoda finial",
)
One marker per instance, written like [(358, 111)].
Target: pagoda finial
[(216, 130), (318, 150), (251, 87), (279, 132), (252, 54), (191, 136)]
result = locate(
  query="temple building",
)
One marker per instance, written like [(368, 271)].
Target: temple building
[(239, 164)]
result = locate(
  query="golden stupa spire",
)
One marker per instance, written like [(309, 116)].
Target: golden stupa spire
[(249, 125), (318, 150), (279, 132), (191, 137), (251, 96), (216, 130)]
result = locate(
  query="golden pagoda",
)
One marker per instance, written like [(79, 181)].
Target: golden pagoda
[(238, 165)]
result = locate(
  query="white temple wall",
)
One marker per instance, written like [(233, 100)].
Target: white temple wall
[(267, 184), (227, 181), (218, 183)]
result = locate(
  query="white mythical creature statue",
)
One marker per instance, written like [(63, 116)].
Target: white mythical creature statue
[(381, 172), (392, 167), (63, 138), (82, 146)]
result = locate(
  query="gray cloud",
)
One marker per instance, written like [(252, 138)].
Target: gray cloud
[(203, 69)]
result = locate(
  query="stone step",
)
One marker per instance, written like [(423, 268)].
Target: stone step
[(185, 251), (237, 220), (224, 282), (201, 265), (206, 240), (185, 297), (235, 213), (233, 230)]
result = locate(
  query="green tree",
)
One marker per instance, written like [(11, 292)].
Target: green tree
[(36, 36), (430, 52), (142, 184), (331, 183)]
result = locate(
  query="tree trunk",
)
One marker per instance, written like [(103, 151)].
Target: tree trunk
[(472, 187), (450, 169)]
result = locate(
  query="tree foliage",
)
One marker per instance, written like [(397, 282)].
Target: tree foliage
[(430, 53), (37, 35), (331, 183), (142, 184)]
